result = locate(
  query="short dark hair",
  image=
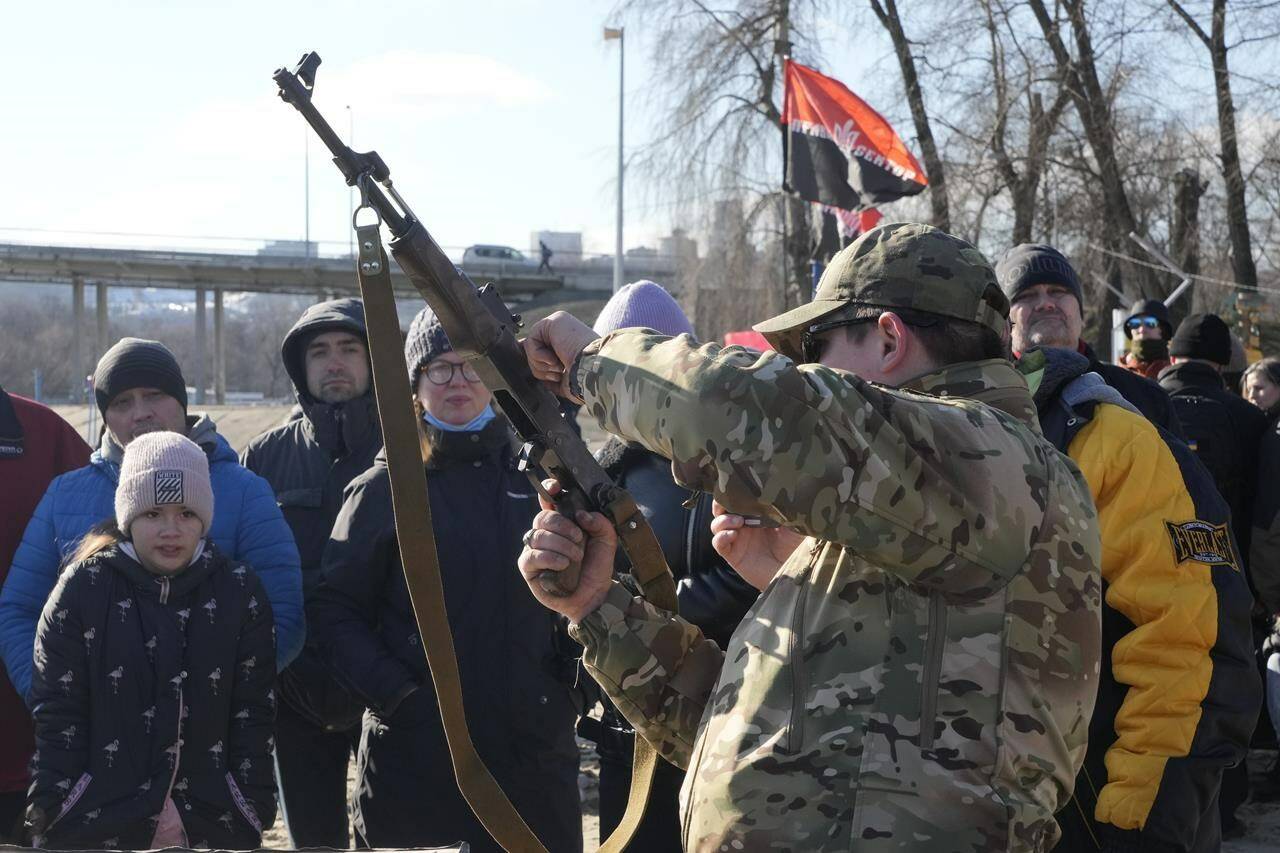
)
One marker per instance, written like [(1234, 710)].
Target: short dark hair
[(945, 339)]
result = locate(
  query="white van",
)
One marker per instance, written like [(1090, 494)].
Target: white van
[(485, 256)]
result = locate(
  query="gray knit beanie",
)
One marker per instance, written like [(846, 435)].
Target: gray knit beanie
[(644, 304), (162, 468), (137, 363), (425, 343)]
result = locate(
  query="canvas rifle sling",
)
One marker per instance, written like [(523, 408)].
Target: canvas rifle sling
[(649, 568), (416, 539)]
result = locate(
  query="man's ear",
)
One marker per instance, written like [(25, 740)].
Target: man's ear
[(896, 341)]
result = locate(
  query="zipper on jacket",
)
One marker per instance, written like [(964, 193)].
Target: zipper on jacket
[(164, 589), (935, 641), (177, 756), (795, 737), (691, 521)]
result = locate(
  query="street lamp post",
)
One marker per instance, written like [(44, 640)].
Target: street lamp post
[(612, 33), (306, 196), (351, 199)]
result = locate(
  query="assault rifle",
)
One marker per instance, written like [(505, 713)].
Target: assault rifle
[(481, 329)]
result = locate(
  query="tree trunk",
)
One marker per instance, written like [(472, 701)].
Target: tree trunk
[(1184, 236), (1094, 108), (1237, 214), (798, 248), (936, 174), (797, 244)]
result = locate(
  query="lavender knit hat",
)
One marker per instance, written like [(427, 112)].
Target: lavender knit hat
[(643, 304), (162, 468)]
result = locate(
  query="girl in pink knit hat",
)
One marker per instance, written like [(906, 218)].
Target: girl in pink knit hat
[(154, 672)]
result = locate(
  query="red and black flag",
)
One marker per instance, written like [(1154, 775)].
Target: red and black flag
[(839, 228), (839, 151)]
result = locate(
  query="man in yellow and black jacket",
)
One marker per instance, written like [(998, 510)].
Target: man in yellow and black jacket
[(1179, 692)]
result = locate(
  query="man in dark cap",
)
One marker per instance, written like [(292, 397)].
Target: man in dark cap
[(1045, 308), (1148, 331), (1222, 428), (309, 461), (890, 430), (1225, 432), (139, 388)]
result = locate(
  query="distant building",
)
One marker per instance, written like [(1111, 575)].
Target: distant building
[(290, 249), (728, 224), (679, 247), (567, 245)]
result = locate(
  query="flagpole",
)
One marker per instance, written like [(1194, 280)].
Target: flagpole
[(617, 256)]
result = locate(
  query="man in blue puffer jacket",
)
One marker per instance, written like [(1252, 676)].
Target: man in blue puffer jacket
[(139, 388)]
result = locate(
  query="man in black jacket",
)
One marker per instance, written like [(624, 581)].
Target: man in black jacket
[(1225, 432), (1045, 300), (1222, 428), (309, 461)]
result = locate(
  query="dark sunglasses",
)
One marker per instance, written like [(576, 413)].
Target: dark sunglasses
[(1136, 322), (811, 342)]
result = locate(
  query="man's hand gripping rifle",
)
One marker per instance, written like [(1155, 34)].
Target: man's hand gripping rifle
[(482, 330)]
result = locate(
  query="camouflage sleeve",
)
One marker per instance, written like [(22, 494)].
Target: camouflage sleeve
[(657, 668), (915, 483)]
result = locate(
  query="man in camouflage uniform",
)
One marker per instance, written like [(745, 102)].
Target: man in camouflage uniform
[(920, 673)]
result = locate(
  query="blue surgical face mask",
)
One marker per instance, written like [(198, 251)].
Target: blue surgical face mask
[(477, 423)]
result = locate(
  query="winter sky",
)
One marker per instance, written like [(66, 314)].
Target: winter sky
[(497, 117)]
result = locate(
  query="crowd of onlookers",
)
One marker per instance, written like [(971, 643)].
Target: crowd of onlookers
[(1228, 411), (193, 639), (160, 667)]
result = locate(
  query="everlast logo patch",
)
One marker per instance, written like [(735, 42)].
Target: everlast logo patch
[(168, 487), (1202, 542)]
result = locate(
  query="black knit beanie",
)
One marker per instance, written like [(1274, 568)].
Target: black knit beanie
[(1203, 336), (1029, 264), (137, 363), (425, 343)]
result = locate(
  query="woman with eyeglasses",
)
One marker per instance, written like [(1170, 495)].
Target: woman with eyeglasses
[(1148, 330), (513, 655)]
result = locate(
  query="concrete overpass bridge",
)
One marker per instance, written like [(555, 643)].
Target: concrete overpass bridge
[(265, 272)]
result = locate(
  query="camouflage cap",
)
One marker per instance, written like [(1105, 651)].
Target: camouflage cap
[(902, 265)]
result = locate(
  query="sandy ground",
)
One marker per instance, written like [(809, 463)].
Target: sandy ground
[(1262, 819), (588, 788)]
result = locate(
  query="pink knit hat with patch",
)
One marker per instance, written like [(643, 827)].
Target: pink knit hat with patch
[(162, 468)]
